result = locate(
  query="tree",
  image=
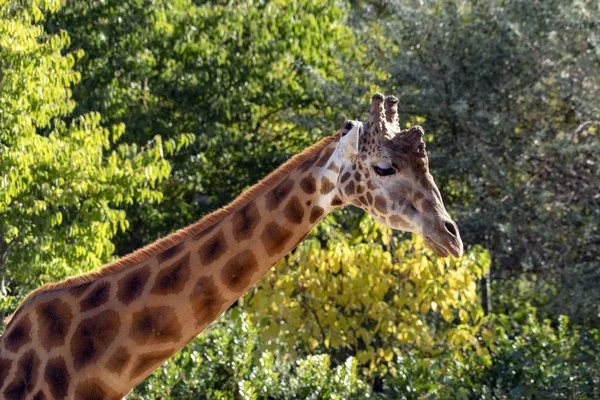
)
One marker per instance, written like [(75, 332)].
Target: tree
[(372, 296), (508, 92), (254, 81), (63, 185)]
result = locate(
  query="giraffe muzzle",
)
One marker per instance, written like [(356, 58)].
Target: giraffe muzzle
[(445, 240)]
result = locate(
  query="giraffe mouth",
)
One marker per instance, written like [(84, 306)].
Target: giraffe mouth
[(436, 248), (441, 250)]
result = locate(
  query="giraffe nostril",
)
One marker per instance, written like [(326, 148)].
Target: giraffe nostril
[(450, 227)]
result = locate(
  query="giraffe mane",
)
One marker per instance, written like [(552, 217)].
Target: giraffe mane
[(182, 234)]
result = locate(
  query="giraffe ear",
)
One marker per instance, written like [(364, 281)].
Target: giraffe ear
[(348, 145)]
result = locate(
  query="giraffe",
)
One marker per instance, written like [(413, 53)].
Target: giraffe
[(98, 335)]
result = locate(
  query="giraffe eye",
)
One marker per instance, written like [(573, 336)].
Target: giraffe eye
[(383, 169)]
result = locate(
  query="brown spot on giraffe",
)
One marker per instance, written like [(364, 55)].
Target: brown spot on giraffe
[(54, 321), (19, 335), (336, 201), (333, 167), (25, 377), (274, 238), (205, 231), (170, 252), (79, 290), (93, 337), (369, 198), (98, 296), (95, 389), (57, 377), (316, 213), (278, 194), (326, 185), (357, 176), (294, 211), (5, 365), (363, 200), (206, 300), (360, 189), (155, 325), (309, 162), (131, 286), (325, 157), (149, 361), (308, 184), (381, 204), (398, 220), (238, 271), (349, 190), (172, 279), (39, 396), (119, 360), (345, 177), (213, 249), (244, 221), (428, 206)]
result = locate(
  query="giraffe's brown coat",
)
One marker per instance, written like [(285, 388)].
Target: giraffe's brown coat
[(294, 211), (315, 214), (238, 271), (19, 335), (5, 365), (360, 189), (98, 296), (308, 184), (200, 235), (93, 336), (213, 249), (274, 238), (155, 325), (206, 300), (333, 167), (325, 157), (305, 166), (170, 252), (54, 320), (381, 204), (326, 185), (278, 194), (172, 279), (369, 198), (244, 221), (149, 361), (39, 395), (95, 389), (131, 286), (119, 359), (24, 378), (79, 290), (57, 377)]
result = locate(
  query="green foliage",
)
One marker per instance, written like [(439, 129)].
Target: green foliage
[(63, 185), (508, 91), (254, 81), (225, 363)]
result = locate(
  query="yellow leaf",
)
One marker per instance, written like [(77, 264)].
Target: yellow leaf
[(446, 314), (464, 316)]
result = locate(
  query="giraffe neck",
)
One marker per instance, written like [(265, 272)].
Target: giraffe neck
[(105, 334)]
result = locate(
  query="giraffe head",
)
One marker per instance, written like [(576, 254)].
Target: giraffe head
[(385, 171)]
